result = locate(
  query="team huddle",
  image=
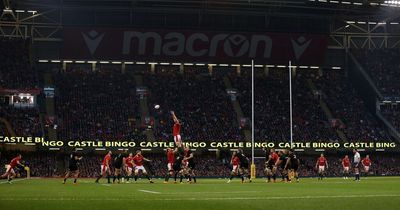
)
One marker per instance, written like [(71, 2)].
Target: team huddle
[(180, 163)]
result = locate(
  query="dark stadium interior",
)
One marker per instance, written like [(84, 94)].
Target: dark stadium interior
[(351, 95)]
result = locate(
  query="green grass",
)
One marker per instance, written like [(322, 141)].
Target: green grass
[(208, 194)]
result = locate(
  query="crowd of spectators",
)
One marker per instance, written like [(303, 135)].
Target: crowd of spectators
[(272, 116), (201, 103), (97, 106), (356, 121), (383, 66), (24, 121), (16, 71)]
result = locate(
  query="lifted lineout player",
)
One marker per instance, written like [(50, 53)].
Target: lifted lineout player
[(73, 167), (10, 173), (321, 165), (366, 162), (176, 131), (346, 167), (105, 168)]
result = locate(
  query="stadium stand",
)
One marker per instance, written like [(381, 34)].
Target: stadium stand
[(272, 105), (382, 66), (356, 121), (97, 106), (15, 68), (16, 73), (200, 102)]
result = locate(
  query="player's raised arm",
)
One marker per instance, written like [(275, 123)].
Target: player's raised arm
[(174, 117)]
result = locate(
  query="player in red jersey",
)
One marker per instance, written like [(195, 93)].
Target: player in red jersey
[(274, 160), (138, 163), (366, 162), (321, 165), (10, 173), (346, 167), (170, 164), (235, 162), (105, 168), (176, 131), (129, 166)]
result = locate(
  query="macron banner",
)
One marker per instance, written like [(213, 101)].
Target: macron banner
[(193, 46)]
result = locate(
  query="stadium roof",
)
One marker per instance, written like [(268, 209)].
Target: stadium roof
[(299, 6)]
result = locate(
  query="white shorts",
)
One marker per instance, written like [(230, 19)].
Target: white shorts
[(321, 168), (346, 168), (235, 168), (178, 139), (104, 168), (366, 168), (170, 167), (9, 169), (128, 169), (137, 168)]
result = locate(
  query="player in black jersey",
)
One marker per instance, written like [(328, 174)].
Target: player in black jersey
[(177, 167), (292, 165), (282, 164), (73, 169), (118, 163), (244, 165), (189, 157)]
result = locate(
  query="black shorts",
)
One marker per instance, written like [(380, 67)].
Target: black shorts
[(245, 165), (73, 168), (191, 165), (176, 167), (282, 166), (118, 166), (295, 167), (356, 165)]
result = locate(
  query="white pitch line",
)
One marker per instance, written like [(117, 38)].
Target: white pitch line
[(236, 192), (149, 191), (198, 199), (17, 180)]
